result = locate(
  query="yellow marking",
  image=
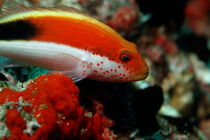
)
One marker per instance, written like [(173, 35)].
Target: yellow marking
[(56, 13)]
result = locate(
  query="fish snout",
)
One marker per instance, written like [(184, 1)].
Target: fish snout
[(142, 73)]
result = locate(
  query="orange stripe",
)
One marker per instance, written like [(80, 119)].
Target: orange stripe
[(80, 34)]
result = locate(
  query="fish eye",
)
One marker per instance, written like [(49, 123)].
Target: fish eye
[(125, 56)]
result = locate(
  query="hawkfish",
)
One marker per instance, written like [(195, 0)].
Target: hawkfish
[(69, 41)]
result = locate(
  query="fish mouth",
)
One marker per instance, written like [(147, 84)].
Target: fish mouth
[(143, 74)]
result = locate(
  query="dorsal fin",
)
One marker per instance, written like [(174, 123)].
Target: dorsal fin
[(70, 9), (9, 7)]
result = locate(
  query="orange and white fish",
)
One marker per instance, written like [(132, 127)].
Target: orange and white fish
[(66, 40)]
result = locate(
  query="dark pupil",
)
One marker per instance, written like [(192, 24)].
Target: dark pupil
[(125, 58)]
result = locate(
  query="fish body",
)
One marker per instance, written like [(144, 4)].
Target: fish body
[(66, 40)]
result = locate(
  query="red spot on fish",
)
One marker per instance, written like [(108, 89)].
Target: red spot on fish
[(101, 69), (119, 66), (113, 76), (108, 78), (102, 62), (111, 69), (91, 64), (98, 64), (115, 70), (107, 71), (95, 71), (123, 75)]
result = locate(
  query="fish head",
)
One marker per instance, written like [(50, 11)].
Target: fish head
[(134, 64), (126, 64)]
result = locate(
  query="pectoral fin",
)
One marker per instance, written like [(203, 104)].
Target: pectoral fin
[(79, 72)]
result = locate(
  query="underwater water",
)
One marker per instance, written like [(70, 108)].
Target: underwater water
[(108, 96)]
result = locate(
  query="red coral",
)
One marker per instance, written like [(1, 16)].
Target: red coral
[(53, 101), (15, 123)]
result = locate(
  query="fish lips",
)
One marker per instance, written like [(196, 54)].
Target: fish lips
[(143, 74)]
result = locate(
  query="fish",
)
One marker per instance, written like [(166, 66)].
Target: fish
[(68, 41)]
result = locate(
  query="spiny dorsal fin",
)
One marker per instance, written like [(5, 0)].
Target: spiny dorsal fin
[(70, 9), (9, 7)]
